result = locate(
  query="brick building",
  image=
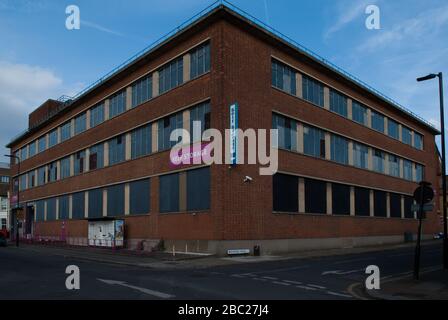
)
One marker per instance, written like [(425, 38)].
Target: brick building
[(349, 158), (4, 196)]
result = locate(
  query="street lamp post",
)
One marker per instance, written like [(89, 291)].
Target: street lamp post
[(18, 194), (442, 128)]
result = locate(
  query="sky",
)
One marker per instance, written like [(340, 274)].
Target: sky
[(40, 58)]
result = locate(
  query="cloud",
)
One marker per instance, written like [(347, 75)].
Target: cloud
[(423, 26), (347, 14), (22, 89), (100, 28)]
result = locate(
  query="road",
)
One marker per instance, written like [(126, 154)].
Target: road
[(25, 274)]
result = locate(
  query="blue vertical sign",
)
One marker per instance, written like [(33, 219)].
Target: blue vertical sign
[(233, 133)]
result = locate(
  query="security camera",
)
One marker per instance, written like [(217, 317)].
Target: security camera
[(247, 179)]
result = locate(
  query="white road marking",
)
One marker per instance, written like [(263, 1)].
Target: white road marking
[(282, 283), (293, 282), (270, 278), (339, 294), (315, 286), (341, 272), (307, 288), (144, 290)]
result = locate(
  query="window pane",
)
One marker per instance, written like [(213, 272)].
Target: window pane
[(285, 193), (359, 113), (171, 75), (395, 205), (406, 136), (65, 167), (63, 207), (41, 176), (169, 193), (419, 176), (287, 132), (408, 201), (80, 123), (78, 203), (66, 131), (340, 199), (117, 104), (80, 158), (52, 138), (96, 203), (42, 144), (115, 200), (418, 141), (117, 150), (200, 113), (360, 156), (139, 196), (315, 196), (313, 142), (40, 210), (96, 157), (142, 90), (97, 115), (380, 203), (378, 161), (407, 170), (339, 149), (394, 165), (312, 91), (362, 201), (141, 140), (392, 128), (200, 60), (51, 209), (377, 122), (283, 77), (198, 189), (338, 103), (32, 149)]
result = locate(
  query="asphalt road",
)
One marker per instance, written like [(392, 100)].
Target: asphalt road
[(25, 274)]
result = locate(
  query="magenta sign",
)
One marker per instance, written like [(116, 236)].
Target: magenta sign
[(196, 154)]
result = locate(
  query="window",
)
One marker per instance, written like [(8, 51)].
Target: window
[(96, 157), (115, 200), (32, 179), (42, 143), (53, 138), (283, 77), (3, 204), (78, 205), (360, 156), (81, 123), (32, 149), (117, 150), (359, 113), (287, 132), (285, 193), (362, 202), (142, 90), (97, 115), (40, 210), (23, 153), (4, 179), (66, 131), (117, 104), (169, 193), (22, 179), (312, 91), (51, 209), (406, 136), (395, 205), (65, 167), (95, 203), (418, 172), (199, 113), (3, 225), (380, 203), (315, 196), (408, 202), (377, 122), (407, 170), (200, 60), (313, 142), (394, 165), (165, 127), (41, 176), (338, 103), (392, 129), (63, 213), (52, 172), (139, 195), (418, 141), (198, 189), (339, 149), (80, 158), (378, 161), (171, 75), (141, 141), (340, 196)]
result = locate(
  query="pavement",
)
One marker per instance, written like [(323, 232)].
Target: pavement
[(39, 272)]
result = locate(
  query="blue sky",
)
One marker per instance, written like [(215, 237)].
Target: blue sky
[(40, 58)]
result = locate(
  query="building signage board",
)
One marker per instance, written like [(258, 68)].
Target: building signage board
[(233, 133)]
